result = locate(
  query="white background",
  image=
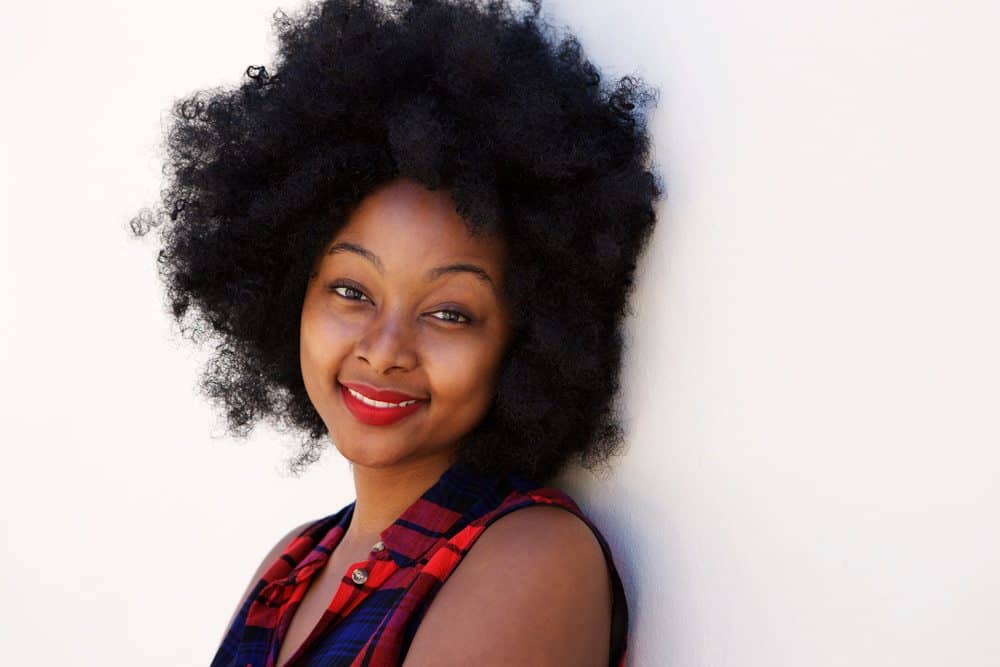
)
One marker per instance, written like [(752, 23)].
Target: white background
[(811, 384)]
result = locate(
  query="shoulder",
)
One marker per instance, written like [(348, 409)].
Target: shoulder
[(548, 539), (275, 552), (279, 547), (533, 589), (540, 530), (287, 538)]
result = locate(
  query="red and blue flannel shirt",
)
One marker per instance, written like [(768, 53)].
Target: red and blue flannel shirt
[(379, 604)]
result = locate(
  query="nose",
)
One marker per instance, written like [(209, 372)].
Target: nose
[(387, 343)]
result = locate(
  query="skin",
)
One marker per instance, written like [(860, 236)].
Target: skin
[(371, 315)]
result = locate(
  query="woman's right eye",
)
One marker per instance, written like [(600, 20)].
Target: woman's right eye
[(349, 292)]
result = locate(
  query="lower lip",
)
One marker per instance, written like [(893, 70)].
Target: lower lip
[(369, 414)]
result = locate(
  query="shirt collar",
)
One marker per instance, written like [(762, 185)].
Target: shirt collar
[(458, 497)]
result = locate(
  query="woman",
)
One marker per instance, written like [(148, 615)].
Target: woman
[(416, 239)]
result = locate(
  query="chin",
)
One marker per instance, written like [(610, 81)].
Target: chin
[(372, 456)]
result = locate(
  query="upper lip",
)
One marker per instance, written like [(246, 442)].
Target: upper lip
[(375, 393)]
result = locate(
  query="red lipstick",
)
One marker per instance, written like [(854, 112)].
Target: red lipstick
[(374, 415)]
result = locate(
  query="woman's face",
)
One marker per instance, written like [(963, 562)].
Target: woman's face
[(404, 300)]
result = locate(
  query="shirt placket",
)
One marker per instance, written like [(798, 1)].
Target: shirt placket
[(359, 581)]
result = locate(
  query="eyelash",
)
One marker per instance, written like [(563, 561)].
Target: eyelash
[(333, 288)]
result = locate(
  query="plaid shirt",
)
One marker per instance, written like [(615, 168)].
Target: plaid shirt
[(376, 609)]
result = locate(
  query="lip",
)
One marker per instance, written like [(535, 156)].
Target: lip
[(374, 416), (374, 393)]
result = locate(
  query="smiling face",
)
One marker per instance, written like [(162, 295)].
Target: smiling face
[(404, 305)]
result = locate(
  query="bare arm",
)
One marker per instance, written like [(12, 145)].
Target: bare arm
[(533, 590)]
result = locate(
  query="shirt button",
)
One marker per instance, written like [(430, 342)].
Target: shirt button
[(359, 576), (378, 546)]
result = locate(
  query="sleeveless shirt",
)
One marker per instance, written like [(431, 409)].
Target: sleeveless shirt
[(380, 602)]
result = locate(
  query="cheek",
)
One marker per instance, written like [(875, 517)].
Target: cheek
[(463, 375), (323, 342)]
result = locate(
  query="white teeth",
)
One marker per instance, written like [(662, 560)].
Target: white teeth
[(378, 404)]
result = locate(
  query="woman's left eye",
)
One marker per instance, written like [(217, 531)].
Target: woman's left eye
[(455, 316)]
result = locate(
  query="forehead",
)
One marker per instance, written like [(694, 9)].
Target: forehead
[(405, 221)]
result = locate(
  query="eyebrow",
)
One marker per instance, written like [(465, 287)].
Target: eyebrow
[(433, 274)]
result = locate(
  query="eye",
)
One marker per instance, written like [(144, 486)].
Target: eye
[(349, 292), (453, 316)]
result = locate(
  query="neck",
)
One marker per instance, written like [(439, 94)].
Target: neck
[(383, 494)]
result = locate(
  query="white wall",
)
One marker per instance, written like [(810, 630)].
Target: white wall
[(811, 386)]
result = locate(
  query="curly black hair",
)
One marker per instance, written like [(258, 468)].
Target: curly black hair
[(475, 96)]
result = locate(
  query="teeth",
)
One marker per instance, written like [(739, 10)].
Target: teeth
[(378, 404)]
